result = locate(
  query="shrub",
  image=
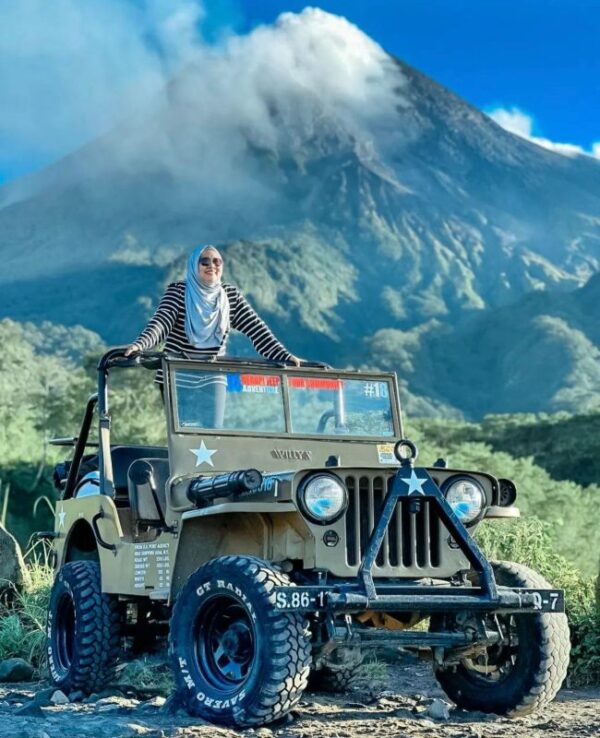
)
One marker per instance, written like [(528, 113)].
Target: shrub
[(529, 542)]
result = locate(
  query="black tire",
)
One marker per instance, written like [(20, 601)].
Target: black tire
[(237, 659), (519, 678), (83, 630), (338, 673)]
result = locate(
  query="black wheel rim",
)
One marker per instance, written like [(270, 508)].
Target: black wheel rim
[(498, 661), (64, 634), (225, 638)]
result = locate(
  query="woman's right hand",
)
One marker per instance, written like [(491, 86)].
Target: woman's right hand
[(131, 349)]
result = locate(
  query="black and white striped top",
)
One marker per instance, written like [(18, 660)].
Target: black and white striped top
[(168, 325)]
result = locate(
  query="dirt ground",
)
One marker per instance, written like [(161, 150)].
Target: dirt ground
[(396, 709)]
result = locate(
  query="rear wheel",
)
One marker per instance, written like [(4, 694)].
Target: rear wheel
[(237, 659), (83, 630), (521, 673), (338, 672)]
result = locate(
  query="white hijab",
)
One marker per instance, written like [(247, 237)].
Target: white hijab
[(206, 306)]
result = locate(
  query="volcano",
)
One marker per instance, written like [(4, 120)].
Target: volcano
[(409, 206)]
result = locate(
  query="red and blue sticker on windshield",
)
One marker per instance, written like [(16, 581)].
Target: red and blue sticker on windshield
[(262, 384)]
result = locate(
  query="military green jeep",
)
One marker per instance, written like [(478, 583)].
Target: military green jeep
[(284, 530)]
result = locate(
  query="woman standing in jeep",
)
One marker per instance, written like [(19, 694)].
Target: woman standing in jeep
[(195, 317)]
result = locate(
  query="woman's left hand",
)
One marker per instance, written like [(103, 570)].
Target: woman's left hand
[(296, 361)]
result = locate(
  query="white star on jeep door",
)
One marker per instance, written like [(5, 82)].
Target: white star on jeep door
[(415, 485), (203, 454)]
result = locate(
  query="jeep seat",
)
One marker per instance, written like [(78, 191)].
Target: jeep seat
[(147, 478), (123, 457)]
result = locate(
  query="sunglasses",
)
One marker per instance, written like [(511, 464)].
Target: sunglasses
[(206, 261)]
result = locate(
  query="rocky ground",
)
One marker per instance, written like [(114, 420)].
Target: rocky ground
[(407, 705)]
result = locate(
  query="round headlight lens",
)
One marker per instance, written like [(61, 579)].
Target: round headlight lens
[(324, 498), (466, 498)]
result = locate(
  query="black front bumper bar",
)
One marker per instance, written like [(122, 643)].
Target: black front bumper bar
[(418, 599)]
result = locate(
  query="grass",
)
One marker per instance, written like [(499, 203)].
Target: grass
[(147, 674), (23, 617)]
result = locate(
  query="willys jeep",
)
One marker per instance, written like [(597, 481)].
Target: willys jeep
[(284, 530)]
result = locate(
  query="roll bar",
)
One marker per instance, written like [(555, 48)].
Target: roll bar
[(115, 357)]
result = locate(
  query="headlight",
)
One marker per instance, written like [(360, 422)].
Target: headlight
[(466, 498), (323, 498)]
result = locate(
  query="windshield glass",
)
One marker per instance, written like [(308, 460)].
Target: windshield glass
[(324, 406), (229, 401), (254, 401)]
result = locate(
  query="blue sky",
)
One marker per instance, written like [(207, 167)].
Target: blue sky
[(542, 56), (536, 62)]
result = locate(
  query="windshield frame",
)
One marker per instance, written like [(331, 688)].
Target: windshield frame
[(222, 366)]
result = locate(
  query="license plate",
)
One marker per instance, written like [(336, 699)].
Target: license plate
[(547, 600), (299, 598)]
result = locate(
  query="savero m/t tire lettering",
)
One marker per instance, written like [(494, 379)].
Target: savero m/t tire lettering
[(524, 671), (237, 659), (83, 629)]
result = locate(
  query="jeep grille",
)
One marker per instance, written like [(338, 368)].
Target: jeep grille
[(413, 538)]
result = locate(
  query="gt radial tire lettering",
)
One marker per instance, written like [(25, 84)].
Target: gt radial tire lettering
[(204, 588), (227, 586), (263, 675)]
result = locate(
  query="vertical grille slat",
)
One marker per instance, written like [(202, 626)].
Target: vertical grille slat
[(413, 538), (382, 556), (426, 534), (352, 523), (366, 515)]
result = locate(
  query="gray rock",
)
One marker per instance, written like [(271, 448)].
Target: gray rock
[(15, 670), (156, 703), (12, 567), (107, 708), (77, 696), (29, 709), (142, 730), (59, 698), (438, 710), (18, 696), (42, 698)]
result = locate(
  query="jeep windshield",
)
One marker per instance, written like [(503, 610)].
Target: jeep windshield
[(273, 402)]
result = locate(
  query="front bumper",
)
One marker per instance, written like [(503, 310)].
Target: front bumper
[(422, 599)]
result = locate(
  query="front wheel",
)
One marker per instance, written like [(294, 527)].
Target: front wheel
[(521, 673), (237, 659)]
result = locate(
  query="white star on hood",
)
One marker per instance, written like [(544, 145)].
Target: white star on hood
[(415, 485), (203, 455), (61, 517)]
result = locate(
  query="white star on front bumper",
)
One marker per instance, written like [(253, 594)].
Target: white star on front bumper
[(415, 485), (203, 455)]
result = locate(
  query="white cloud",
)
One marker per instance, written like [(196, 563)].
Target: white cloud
[(72, 70), (522, 124), (69, 69)]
